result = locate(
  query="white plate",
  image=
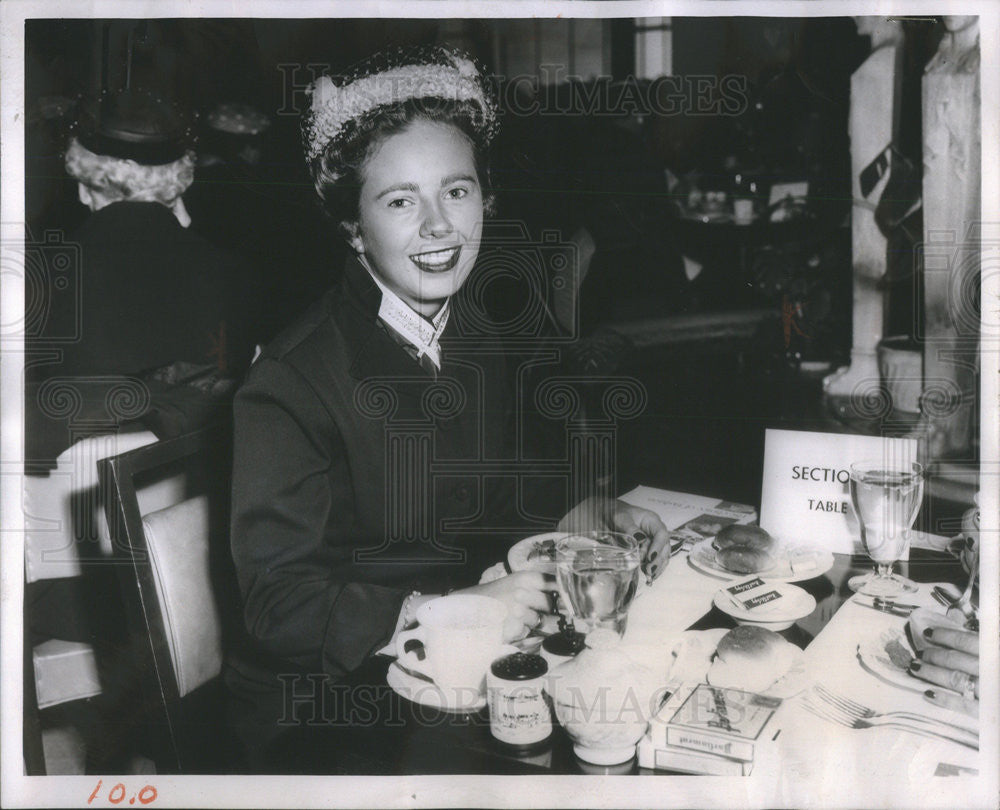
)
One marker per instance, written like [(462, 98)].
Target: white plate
[(693, 654), (519, 559), (426, 693), (795, 604), (421, 690), (874, 658), (703, 557)]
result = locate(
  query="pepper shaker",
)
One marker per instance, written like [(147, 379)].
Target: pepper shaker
[(520, 716)]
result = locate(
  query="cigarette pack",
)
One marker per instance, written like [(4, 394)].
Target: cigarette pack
[(713, 720), (684, 760)]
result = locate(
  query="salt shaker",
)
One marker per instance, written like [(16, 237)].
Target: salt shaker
[(520, 716)]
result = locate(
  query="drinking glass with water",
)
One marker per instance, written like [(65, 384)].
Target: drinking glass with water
[(598, 575), (886, 498)]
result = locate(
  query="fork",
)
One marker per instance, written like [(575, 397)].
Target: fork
[(963, 604), (883, 721), (859, 711), (852, 711), (940, 596)]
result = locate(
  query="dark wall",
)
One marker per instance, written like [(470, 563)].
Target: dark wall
[(603, 171)]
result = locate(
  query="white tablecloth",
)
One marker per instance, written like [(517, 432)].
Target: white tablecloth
[(677, 599), (881, 762), (880, 765)]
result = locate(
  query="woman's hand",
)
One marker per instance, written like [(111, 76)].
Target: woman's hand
[(595, 514), (647, 528), (526, 595), (953, 663)]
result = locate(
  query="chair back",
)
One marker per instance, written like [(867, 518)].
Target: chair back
[(66, 535), (64, 521), (178, 541), (181, 588)]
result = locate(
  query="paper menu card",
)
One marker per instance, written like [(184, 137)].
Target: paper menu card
[(805, 497), (697, 515)]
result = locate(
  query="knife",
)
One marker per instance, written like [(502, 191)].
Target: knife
[(890, 608)]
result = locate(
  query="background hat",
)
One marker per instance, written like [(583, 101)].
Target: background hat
[(136, 125), (235, 118)]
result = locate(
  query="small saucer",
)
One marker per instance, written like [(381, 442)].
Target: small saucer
[(427, 693), (424, 691), (875, 659), (796, 604)]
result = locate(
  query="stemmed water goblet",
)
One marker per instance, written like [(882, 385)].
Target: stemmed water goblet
[(886, 496)]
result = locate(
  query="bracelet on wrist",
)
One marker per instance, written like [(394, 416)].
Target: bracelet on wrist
[(408, 610)]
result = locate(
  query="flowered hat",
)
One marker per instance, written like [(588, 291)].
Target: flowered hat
[(435, 73)]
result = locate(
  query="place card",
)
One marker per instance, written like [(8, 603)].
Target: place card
[(805, 496)]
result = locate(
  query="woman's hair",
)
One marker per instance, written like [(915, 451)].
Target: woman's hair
[(121, 179), (338, 170)]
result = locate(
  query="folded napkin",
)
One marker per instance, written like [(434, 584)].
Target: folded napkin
[(884, 767)]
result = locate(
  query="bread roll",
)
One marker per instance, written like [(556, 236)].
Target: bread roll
[(744, 559), (748, 642), (751, 658), (736, 534)]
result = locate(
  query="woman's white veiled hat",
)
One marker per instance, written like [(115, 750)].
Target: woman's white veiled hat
[(436, 73)]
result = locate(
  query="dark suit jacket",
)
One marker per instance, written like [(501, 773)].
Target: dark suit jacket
[(358, 477), (131, 290), (150, 293)]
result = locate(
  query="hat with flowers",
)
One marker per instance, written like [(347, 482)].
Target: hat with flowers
[(428, 74)]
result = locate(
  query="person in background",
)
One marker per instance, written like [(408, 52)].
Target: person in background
[(232, 201), (142, 326), (147, 298)]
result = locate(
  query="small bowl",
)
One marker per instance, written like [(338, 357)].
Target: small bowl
[(800, 604)]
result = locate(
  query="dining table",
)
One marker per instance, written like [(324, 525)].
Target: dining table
[(362, 726)]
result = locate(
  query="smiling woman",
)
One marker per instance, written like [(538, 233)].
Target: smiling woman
[(421, 214), (342, 521)]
